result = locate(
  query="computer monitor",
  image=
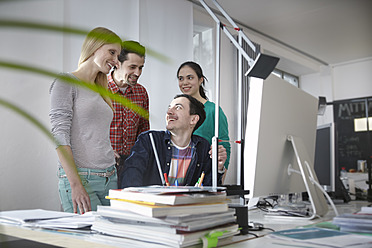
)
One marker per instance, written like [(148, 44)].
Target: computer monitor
[(280, 136), (324, 163)]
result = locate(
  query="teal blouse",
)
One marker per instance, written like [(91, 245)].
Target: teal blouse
[(206, 130)]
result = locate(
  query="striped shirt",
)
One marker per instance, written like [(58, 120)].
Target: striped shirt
[(181, 159), (80, 118)]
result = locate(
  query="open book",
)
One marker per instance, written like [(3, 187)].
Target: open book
[(169, 195)]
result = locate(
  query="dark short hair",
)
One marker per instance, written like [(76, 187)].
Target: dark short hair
[(196, 108), (131, 46)]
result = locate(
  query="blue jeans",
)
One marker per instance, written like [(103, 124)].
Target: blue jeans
[(96, 186)]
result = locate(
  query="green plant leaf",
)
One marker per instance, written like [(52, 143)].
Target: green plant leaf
[(28, 117), (37, 123), (63, 29), (104, 92)]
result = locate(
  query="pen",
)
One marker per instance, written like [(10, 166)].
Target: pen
[(201, 179), (166, 179), (197, 183)]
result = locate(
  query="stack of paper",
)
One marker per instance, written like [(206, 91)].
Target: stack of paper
[(168, 216), (318, 237), (360, 222), (47, 219)]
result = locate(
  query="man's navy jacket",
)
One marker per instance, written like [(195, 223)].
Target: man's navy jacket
[(140, 168)]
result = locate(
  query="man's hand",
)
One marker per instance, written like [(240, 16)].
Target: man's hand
[(117, 157), (222, 156)]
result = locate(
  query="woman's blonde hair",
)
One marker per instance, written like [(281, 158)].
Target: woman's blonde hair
[(95, 39)]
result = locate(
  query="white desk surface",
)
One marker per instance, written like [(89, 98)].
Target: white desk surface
[(277, 224), (284, 223), (49, 237)]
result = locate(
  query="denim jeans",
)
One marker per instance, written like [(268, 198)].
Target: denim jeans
[(96, 186)]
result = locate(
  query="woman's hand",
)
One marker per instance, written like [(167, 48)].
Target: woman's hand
[(80, 199), (79, 196)]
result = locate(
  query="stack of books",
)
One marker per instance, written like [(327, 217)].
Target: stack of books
[(360, 222), (168, 216)]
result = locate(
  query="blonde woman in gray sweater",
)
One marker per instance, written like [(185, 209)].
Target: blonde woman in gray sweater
[(80, 120)]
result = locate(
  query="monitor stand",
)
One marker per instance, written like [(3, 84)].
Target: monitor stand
[(315, 192), (287, 206)]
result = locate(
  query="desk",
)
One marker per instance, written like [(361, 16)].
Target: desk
[(86, 240), (52, 238), (279, 224), (283, 223)]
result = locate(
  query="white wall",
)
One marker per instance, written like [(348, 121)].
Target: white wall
[(320, 84), (339, 82), (86, 15), (352, 79), (27, 157), (28, 161), (168, 31)]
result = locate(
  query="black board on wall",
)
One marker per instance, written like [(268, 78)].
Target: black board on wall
[(351, 146)]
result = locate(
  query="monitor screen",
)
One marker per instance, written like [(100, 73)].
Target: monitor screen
[(323, 163), (280, 134)]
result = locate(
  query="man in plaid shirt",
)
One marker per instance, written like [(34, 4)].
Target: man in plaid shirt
[(126, 124)]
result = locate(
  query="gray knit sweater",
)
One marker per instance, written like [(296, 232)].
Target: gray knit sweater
[(81, 119)]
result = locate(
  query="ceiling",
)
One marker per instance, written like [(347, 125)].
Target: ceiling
[(327, 31)]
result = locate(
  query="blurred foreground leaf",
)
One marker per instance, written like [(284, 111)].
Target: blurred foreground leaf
[(104, 92), (30, 118), (55, 28)]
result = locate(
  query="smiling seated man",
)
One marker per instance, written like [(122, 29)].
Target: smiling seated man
[(182, 155)]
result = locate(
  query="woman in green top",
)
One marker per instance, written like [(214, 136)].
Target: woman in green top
[(191, 81)]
